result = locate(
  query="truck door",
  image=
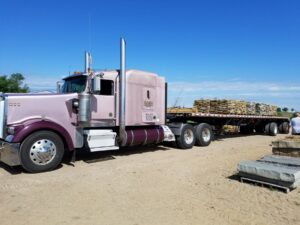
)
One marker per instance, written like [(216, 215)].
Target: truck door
[(103, 105)]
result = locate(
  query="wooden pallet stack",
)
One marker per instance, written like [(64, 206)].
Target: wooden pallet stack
[(181, 110), (265, 110), (218, 107), (260, 109), (237, 107), (230, 129), (273, 110), (251, 108), (202, 105), (288, 146), (228, 107), (225, 106)]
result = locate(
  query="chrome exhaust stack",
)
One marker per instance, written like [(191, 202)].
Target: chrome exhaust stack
[(122, 91), (88, 62)]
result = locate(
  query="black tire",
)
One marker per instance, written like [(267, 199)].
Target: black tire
[(246, 129), (37, 147), (204, 134), (267, 128), (280, 128), (187, 138), (273, 129), (285, 128)]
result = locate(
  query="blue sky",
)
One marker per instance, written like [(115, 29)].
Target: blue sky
[(237, 49)]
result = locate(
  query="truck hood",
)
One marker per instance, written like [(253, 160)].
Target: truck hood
[(54, 107)]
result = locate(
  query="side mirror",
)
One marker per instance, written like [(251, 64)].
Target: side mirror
[(96, 84)]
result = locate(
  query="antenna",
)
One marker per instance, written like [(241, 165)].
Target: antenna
[(90, 32), (177, 98)]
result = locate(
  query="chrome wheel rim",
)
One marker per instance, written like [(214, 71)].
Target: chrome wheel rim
[(42, 152), (188, 136), (275, 130), (206, 135)]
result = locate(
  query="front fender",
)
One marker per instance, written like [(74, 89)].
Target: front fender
[(24, 130)]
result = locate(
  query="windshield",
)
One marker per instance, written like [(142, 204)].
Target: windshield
[(74, 84)]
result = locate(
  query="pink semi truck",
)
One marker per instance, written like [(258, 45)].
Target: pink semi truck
[(103, 110)]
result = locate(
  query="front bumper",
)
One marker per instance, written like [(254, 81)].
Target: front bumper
[(9, 153)]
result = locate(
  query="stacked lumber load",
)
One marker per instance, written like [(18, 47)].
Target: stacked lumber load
[(234, 107), (265, 110), (237, 107), (260, 109), (228, 107), (251, 110), (217, 106), (289, 146), (202, 105), (230, 129), (273, 110), (182, 110)]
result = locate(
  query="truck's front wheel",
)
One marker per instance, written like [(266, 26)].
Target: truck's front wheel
[(41, 151)]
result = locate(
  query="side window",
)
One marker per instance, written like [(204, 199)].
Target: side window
[(107, 87)]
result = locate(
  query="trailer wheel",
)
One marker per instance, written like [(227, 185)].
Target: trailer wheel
[(267, 128), (273, 129), (284, 128), (204, 134), (186, 139), (41, 151)]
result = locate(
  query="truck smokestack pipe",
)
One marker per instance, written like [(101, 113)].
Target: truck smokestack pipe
[(122, 91), (87, 62)]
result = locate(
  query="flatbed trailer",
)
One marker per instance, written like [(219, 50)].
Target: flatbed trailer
[(206, 125)]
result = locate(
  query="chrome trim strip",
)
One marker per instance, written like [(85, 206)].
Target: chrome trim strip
[(158, 134), (132, 134), (146, 135), (3, 114), (79, 142), (122, 90)]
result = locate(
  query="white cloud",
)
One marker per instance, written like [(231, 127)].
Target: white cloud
[(231, 86), (40, 83)]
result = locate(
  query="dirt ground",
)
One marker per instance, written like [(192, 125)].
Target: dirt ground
[(145, 186)]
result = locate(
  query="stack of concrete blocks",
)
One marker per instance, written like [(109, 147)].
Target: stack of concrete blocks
[(281, 171), (289, 146)]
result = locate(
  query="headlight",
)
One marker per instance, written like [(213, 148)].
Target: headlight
[(11, 130), (75, 103)]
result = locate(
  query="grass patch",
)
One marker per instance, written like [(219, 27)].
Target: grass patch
[(285, 114)]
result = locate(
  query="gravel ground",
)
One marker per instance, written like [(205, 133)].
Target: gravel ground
[(149, 185)]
